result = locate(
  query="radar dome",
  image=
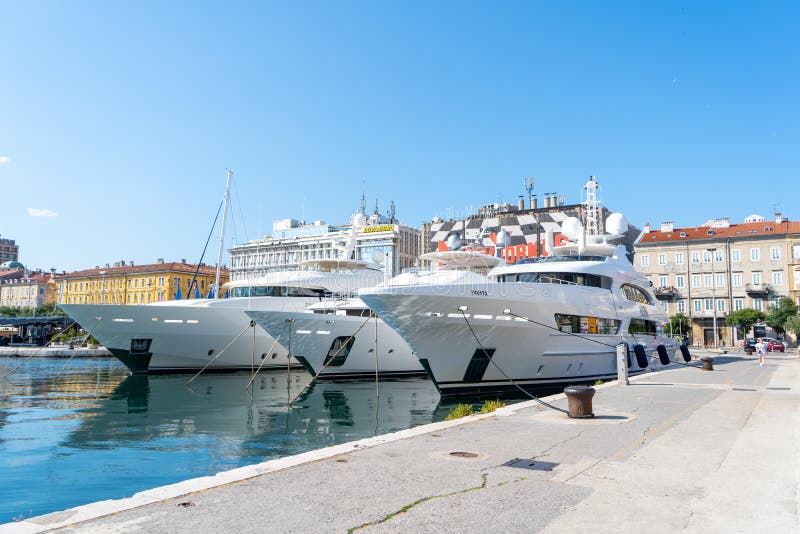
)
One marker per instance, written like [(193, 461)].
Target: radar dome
[(453, 242), (571, 227), (616, 224)]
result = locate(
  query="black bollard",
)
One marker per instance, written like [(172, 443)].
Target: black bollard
[(708, 363), (579, 399)]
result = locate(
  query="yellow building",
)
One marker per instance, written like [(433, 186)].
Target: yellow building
[(136, 284)]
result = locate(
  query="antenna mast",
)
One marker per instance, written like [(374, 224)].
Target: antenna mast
[(592, 207), (226, 199)]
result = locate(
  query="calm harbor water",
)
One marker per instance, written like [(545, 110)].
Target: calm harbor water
[(90, 432)]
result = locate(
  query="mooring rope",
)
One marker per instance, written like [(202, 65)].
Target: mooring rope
[(251, 325), (326, 364), (38, 350), (486, 355), (252, 378)]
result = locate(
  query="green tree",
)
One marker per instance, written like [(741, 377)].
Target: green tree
[(777, 316), (745, 319), (49, 310), (678, 325), (792, 324)]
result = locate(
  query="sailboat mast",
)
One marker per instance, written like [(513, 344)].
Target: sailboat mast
[(225, 201)]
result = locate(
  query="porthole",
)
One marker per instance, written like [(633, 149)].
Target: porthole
[(263, 355), (211, 352), (274, 355)]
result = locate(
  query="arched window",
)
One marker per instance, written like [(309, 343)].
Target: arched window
[(636, 294)]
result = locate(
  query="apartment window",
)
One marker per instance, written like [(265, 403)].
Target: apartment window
[(706, 256), (755, 254), (695, 280), (777, 278), (706, 280), (738, 304), (758, 304), (796, 251), (679, 258), (720, 281), (680, 281), (720, 305), (645, 261), (662, 259), (756, 278), (665, 306), (718, 255), (663, 280), (736, 255), (698, 305), (682, 305), (695, 257), (160, 281), (709, 304), (737, 279), (775, 253)]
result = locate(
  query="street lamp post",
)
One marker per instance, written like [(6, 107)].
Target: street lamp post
[(712, 250)]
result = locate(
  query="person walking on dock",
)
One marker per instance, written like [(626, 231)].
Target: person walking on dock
[(761, 349)]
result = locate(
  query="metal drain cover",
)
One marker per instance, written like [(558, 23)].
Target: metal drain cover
[(460, 454), (533, 465), (780, 389)]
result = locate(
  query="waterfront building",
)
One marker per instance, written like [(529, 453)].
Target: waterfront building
[(708, 271), (28, 291), (126, 283), (9, 250), (377, 238), (512, 231)]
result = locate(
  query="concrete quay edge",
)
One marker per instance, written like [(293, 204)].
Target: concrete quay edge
[(75, 516)]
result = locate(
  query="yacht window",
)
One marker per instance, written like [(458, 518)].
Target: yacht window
[(636, 294), (642, 326), (576, 324), (580, 279), (339, 350)]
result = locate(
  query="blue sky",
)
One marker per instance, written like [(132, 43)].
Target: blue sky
[(120, 118)]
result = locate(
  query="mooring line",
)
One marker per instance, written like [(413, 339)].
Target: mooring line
[(12, 371), (325, 365), (486, 355), (252, 378), (251, 325)]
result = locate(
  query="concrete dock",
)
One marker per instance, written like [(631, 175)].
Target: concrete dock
[(681, 450), (54, 352)]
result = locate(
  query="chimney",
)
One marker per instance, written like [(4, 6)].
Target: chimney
[(160, 260), (646, 228), (534, 202), (778, 217), (130, 263), (183, 260), (521, 203), (667, 227)]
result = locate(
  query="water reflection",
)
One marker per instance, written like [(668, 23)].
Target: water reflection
[(95, 433)]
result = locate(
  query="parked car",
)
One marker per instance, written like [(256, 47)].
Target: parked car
[(774, 345), (749, 345)]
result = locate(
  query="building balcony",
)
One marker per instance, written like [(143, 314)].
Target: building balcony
[(757, 290), (665, 292)]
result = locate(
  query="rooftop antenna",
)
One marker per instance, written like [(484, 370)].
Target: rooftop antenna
[(376, 206), (391, 211), (529, 181), (363, 202)]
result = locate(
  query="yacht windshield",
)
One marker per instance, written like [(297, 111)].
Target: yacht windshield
[(279, 291), (555, 259)]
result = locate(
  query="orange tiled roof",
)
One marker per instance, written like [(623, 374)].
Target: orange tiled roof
[(756, 229), (143, 269)]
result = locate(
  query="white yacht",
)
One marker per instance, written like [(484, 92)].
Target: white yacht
[(189, 335), (337, 339), (536, 325)]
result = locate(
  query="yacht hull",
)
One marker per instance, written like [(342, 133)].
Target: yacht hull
[(180, 339), (453, 330), (315, 337)]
